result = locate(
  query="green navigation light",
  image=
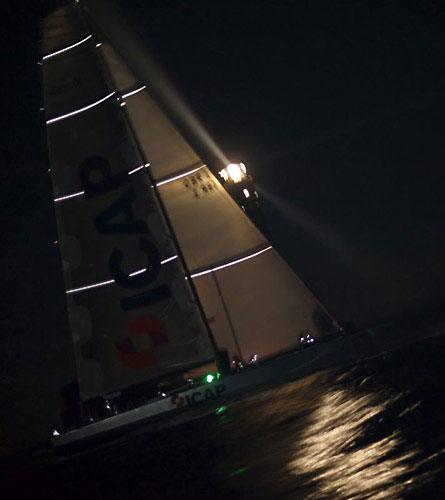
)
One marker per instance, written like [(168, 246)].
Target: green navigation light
[(211, 377), (238, 471)]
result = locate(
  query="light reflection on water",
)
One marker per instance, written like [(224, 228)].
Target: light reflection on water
[(359, 433), (374, 431), (328, 450)]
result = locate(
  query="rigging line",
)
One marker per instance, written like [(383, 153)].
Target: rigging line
[(80, 110), (80, 193), (109, 282), (128, 94), (180, 176), (48, 56), (237, 261)]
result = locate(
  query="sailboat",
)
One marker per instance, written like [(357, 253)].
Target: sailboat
[(174, 297)]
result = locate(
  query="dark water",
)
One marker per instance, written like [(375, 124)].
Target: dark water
[(372, 431)]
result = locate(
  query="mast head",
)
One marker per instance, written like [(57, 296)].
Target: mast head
[(234, 172)]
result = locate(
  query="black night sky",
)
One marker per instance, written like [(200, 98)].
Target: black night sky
[(336, 108)]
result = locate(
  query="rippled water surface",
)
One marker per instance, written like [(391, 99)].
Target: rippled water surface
[(375, 430)]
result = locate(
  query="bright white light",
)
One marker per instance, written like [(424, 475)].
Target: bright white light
[(122, 104), (128, 94), (235, 172), (223, 173), (180, 176), (55, 433), (48, 56), (109, 282), (98, 44), (80, 110), (237, 261), (246, 193), (138, 168), (68, 196)]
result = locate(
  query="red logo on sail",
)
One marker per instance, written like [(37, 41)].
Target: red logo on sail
[(127, 352)]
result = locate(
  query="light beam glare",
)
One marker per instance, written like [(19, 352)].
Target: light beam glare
[(147, 69)]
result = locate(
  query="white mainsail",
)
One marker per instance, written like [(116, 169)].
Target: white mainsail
[(253, 302), (131, 314)]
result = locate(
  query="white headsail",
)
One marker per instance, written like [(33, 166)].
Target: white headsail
[(254, 302)]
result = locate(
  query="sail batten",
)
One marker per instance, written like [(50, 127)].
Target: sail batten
[(109, 282), (80, 110), (65, 49), (189, 170), (133, 92), (217, 266), (80, 193), (69, 196)]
